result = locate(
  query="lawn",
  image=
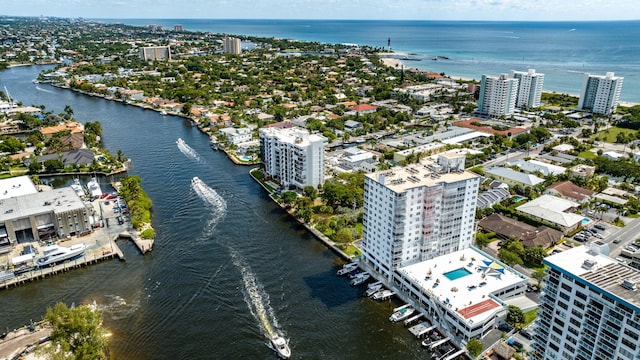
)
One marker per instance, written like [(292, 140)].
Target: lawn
[(610, 135), (529, 316), (587, 155)]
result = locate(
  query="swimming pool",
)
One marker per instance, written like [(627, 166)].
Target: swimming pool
[(585, 221), (457, 274)]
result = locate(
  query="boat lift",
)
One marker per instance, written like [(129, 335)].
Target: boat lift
[(372, 285), (437, 343), (453, 356), (419, 330), (412, 319), (401, 307)]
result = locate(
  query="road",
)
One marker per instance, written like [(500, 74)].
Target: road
[(627, 235), (18, 340)]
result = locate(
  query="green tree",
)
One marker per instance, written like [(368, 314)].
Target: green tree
[(288, 198), (535, 255), (35, 167), (53, 165), (474, 347), (76, 333), (509, 257), (344, 236), (515, 316), (539, 275)]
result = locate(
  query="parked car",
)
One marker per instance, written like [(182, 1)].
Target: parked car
[(600, 227), (505, 327), (515, 344), (525, 334), (616, 240)]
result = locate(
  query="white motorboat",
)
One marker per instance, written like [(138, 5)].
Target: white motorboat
[(196, 181), (281, 346), (401, 314), (347, 268), (360, 279), (163, 112), (382, 294), (77, 188), (94, 188), (372, 289), (180, 141), (55, 253)]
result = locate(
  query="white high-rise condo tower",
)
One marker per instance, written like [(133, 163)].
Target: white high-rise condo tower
[(600, 94), (293, 156), (590, 307), (529, 87), (418, 212), (498, 95)]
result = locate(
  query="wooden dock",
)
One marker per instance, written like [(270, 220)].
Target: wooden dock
[(102, 254)]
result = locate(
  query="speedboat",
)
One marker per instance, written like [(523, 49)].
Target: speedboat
[(281, 346), (180, 141), (94, 188), (196, 181), (401, 314), (55, 253), (77, 187), (372, 289), (382, 294), (360, 279), (347, 268)]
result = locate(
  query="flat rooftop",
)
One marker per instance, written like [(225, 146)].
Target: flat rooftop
[(463, 281), (411, 176), (16, 186), (56, 200), (601, 271)]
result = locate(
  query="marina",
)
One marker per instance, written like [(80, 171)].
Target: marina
[(150, 302)]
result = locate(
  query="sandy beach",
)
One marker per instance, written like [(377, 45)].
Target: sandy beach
[(394, 63)]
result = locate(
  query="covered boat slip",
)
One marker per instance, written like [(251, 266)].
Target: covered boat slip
[(421, 329)]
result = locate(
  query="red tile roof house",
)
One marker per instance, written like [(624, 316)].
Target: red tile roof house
[(364, 109), (570, 191)]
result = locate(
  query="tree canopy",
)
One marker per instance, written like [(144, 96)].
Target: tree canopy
[(77, 333)]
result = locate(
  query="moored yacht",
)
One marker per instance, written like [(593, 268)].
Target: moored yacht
[(94, 188), (55, 253), (281, 346), (401, 314), (347, 268)]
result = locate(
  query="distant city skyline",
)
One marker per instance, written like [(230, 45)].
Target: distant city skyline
[(490, 10)]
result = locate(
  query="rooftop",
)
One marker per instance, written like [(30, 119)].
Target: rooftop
[(552, 208), (422, 174), (468, 294), (600, 270), (57, 200), (16, 186)]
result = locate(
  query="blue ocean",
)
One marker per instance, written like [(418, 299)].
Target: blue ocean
[(563, 51)]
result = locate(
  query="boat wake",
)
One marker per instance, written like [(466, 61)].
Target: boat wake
[(211, 197), (187, 150), (117, 308), (41, 89), (257, 299)]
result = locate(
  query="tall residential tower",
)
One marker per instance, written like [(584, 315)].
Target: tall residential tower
[(498, 95), (590, 308), (418, 212), (529, 87), (293, 156), (600, 94)]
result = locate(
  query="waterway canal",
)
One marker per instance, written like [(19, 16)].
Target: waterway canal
[(228, 265)]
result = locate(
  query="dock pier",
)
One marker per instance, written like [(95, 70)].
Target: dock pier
[(101, 254)]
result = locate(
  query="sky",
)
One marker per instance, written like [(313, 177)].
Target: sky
[(507, 10)]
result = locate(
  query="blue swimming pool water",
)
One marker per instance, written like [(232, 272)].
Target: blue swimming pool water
[(457, 274), (585, 221)]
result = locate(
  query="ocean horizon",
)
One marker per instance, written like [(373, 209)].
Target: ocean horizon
[(562, 50)]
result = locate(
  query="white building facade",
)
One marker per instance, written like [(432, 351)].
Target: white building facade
[(590, 308), (293, 156), (232, 45), (600, 94), (529, 87), (418, 212), (498, 95)]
